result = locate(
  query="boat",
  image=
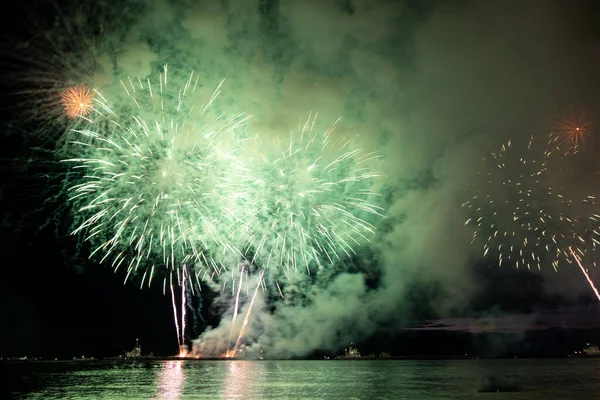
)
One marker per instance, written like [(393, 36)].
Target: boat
[(133, 354), (590, 350), (352, 353)]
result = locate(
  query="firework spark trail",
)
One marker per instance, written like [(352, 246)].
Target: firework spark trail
[(241, 335), (235, 307), (587, 277), (175, 315), (156, 193), (237, 296), (182, 346), (522, 218), (315, 197), (279, 288)]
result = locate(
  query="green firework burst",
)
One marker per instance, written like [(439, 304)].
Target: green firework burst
[(315, 197), (160, 180)]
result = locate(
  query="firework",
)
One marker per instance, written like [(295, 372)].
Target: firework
[(237, 302), (577, 259), (571, 131), (315, 200), (77, 101), (518, 213), (55, 64), (156, 186), (231, 353), (180, 316)]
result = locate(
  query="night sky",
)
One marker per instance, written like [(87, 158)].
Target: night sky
[(432, 85)]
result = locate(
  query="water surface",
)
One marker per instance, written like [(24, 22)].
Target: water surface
[(406, 379)]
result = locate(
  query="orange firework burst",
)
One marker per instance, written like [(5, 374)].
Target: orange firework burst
[(77, 101), (572, 130)]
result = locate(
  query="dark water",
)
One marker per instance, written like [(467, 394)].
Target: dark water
[(409, 379)]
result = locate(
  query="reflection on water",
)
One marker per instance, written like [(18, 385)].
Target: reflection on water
[(170, 380), (200, 379), (241, 378)]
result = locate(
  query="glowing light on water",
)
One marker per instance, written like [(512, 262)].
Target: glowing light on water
[(241, 381), (171, 379)]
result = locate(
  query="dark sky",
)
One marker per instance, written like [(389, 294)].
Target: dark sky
[(436, 84)]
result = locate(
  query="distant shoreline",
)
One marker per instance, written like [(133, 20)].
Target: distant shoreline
[(396, 358)]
